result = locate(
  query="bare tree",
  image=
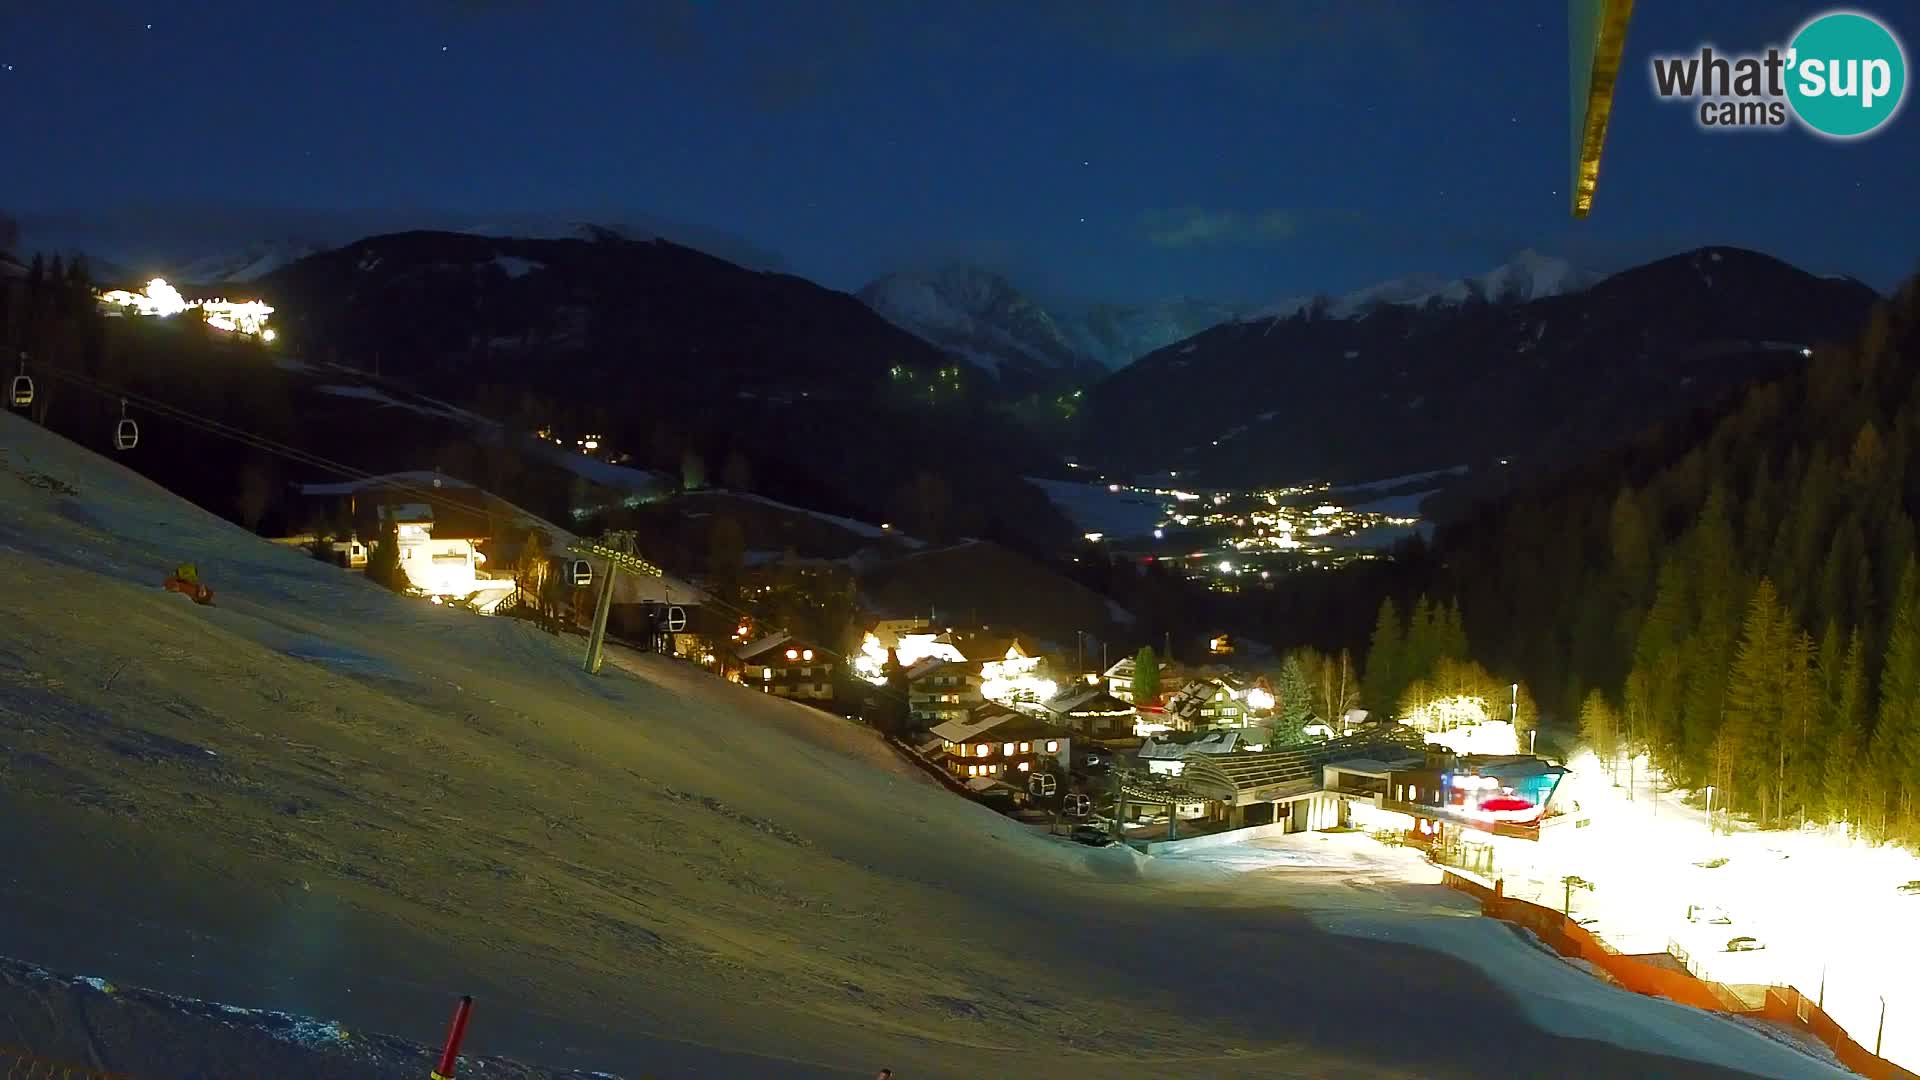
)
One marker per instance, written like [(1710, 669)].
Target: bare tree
[(256, 493)]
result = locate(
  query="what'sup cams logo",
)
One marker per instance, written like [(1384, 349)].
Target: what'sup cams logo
[(1843, 75)]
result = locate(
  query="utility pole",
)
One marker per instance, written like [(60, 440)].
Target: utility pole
[(597, 637), (1572, 882), (1118, 832), (1878, 1035), (617, 560)]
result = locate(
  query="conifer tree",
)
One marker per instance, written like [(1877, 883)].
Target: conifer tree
[(1292, 706), (1896, 735), (1146, 676), (1600, 727), (1847, 736), (1383, 678)]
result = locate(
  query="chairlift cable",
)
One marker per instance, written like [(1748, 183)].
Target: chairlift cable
[(306, 457)]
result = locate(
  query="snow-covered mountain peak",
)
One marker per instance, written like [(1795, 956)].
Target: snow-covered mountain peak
[(1529, 275), (978, 315)]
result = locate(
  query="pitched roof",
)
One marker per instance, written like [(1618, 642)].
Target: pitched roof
[(974, 724), (933, 664), (1087, 699), (1214, 742), (1189, 698), (1003, 722), (1295, 770), (771, 641)]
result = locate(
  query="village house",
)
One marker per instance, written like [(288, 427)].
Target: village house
[(1092, 711), (1205, 705), (786, 666), (1119, 680), (942, 690), (995, 742), (438, 558)]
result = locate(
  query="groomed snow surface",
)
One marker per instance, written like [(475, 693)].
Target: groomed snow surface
[(1827, 907), (319, 798)]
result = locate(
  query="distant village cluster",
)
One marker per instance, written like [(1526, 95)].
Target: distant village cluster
[(1146, 748), (161, 300)]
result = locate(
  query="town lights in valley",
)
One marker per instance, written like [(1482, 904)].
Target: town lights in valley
[(159, 299)]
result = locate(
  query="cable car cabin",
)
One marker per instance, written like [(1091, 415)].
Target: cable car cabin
[(126, 434), (22, 391)]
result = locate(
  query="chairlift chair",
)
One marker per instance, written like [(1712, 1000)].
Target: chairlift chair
[(1042, 784), (1078, 805), (126, 434), (22, 391)]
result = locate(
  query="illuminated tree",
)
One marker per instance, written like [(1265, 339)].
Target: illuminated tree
[(1293, 705), (1846, 734), (383, 561), (1146, 676), (1600, 727)]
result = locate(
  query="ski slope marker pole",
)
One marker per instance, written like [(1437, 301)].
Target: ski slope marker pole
[(450, 1057)]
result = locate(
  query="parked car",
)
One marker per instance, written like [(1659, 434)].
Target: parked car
[(1707, 913), (1745, 944), (1091, 835), (1911, 888), (1712, 864)]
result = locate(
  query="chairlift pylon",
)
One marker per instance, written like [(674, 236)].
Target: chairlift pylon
[(126, 434), (22, 391)]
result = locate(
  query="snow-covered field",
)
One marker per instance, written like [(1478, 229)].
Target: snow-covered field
[(319, 798), (1823, 905), (1094, 508)]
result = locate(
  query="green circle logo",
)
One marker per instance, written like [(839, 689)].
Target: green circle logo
[(1847, 74)]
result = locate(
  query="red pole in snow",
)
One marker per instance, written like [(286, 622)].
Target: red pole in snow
[(450, 1057)]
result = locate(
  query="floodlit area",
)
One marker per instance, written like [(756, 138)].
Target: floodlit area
[(161, 300), (318, 797), (1828, 912)]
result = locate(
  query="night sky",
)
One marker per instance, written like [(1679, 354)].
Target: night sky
[(1115, 150)]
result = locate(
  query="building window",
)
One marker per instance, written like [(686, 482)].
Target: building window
[(1006, 749), (793, 654), (766, 674), (982, 750), (1026, 766), (807, 655), (1026, 747), (1053, 746)]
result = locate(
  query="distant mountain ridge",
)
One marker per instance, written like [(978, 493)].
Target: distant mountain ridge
[(1531, 363), (1528, 276), (980, 316), (212, 244)]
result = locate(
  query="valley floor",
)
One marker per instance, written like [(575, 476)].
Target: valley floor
[(320, 798)]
